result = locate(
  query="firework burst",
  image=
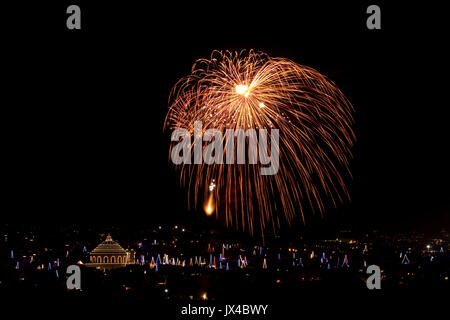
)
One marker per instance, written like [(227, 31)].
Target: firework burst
[(249, 90)]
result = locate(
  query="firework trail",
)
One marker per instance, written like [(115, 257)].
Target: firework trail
[(243, 90)]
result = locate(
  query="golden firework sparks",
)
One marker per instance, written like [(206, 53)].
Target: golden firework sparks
[(246, 90)]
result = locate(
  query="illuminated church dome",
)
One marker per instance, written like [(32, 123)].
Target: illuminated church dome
[(109, 254)]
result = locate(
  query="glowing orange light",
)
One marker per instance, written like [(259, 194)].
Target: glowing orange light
[(209, 208), (242, 89)]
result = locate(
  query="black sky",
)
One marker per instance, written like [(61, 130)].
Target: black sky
[(82, 131)]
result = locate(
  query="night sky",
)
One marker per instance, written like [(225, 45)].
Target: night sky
[(82, 129)]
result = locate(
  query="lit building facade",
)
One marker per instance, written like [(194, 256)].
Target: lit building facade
[(109, 255)]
